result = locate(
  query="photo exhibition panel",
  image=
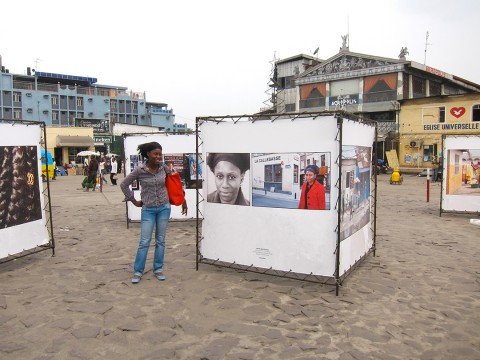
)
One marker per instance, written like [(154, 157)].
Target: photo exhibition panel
[(22, 218), (270, 193)]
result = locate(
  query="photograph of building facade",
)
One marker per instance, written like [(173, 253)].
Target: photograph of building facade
[(463, 172), (76, 103), (373, 86)]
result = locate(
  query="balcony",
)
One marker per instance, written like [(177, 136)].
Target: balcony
[(385, 127), (47, 87), (23, 85), (85, 90)]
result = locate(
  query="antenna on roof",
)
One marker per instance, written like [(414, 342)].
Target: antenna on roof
[(37, 60), (426, 44), (348, 30)]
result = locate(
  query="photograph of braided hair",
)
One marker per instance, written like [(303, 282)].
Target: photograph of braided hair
[(19, 186)]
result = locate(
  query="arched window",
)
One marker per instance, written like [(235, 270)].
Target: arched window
[(312, 95)]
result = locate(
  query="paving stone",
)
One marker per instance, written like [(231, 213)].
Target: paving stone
[(244, 355), (367, 334), (294, 335), (32, 320), (56, 345), (273, 334), (242, 294), (167, 321), (242, 329), (45, 357), (6, 318), (283, 318), (217, 349), (95, 308), (64, 324), (80, 354), (132, 325), (11, 347), (159, 336), (165, 353), (84, 332), (192, 329), (258, 311)]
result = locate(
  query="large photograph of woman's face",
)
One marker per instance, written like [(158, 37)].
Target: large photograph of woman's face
[(228, 179)]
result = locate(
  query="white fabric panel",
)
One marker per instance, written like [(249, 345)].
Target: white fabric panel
[(468, 202), (26, 236), (282, 239), (171, 144), (358, 244)]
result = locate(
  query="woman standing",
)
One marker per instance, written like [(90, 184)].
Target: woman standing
[(155, 207), (113, 172)]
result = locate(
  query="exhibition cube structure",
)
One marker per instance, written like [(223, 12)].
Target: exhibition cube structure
[(254, 214), (25, 209)]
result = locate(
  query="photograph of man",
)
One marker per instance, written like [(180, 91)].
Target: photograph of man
[(229, 173), (313, 193)]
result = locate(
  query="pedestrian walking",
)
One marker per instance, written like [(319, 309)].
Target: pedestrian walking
[(113, 171)]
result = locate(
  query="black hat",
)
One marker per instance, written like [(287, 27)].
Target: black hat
[(240, 160), (313, 168)]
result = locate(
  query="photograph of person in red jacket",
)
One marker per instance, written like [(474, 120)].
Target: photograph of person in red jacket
[(313, 193)]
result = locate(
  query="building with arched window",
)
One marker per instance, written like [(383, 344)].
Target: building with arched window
[(362, 84)]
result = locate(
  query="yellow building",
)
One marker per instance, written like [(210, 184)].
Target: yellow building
[(423, 121), (65, 142)]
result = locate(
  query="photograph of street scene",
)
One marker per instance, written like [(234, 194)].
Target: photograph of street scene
[(186, 166), (356, 165), (278, 178), (463, 172)]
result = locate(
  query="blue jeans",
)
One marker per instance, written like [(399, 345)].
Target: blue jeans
[(158, 217)]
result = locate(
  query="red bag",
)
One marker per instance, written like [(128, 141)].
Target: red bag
[(174, 189)]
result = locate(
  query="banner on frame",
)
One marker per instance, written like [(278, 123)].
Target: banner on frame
[(178, 154), (461, 179), (22, 215), (357, 215), (255, 174)]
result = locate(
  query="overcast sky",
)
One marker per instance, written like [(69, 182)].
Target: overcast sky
[(214, 57)]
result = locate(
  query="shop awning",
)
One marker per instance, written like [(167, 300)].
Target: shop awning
[(74, 141)]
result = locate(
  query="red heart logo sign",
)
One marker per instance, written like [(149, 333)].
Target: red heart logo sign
[(457, 111)]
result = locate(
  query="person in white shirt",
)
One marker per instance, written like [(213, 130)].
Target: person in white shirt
[(101, 168), (114, 171)]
